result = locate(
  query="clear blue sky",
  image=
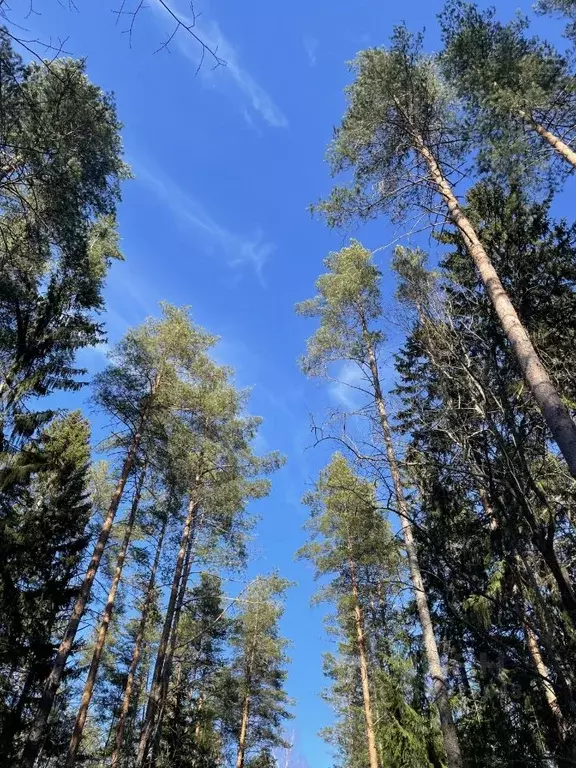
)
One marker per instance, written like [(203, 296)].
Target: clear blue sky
[(226, 163)]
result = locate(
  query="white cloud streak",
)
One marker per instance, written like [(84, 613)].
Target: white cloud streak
[(239, 250), (344, 389), (253, 95)]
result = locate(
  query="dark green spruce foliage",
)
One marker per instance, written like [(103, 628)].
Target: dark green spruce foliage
[(496, 507), (41, 545)]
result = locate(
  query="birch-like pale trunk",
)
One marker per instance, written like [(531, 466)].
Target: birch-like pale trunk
[(243, 732), (449, 734), (546, 683), (555, 413), (35, 741), (103, 629)]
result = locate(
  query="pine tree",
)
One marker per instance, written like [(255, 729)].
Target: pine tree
[(217, 470), (349, 306), (348, 537), (258, 671), (519, 91), (137, 390), (189, 736), (481, 461), (401, 138)]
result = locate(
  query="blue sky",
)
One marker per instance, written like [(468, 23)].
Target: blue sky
[(226, 162)]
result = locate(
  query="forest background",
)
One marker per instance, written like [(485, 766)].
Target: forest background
[(226, 162)]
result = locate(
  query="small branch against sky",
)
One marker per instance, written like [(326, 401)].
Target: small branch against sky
[(181, 24)]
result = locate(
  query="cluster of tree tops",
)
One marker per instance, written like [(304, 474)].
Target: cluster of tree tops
[(444, 529), (118, 644)]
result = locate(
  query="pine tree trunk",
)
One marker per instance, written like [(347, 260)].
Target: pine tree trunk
[(555, 413), (156, 687), (137, 652), (449, 734), (545, 681), (103, 630), (242, 737), (359, 624), (559, 146), (35, 742), (167, 666), (243, 732)]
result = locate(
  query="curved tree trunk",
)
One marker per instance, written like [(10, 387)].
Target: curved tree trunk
[(137, 652), (35, 742), (156, 686), (103, 630), (449, 734), (555, 413)]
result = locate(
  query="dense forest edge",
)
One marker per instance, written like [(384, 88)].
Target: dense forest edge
[(442, 530)]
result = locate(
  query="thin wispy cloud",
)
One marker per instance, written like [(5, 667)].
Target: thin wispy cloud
[(239, 250), (344, 390), (254, 97), (311, 48)]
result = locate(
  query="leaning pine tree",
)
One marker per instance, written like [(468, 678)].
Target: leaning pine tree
[(400, 137), (348, 304), (519, 90)]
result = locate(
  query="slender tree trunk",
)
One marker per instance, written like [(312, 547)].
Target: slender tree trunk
[(35, 742), (555, 413), (103, 630), (545, 546), (240, 757), (137, 652), (198, 726), (359, 624), (545, 681), (243, 732), (156, 686), (559, 146), (167, 666), (449, 734)]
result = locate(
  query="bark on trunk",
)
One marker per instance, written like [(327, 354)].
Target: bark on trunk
[(137, 652), (545, 681), (359, 624), (555, 413), (167, 666), (243, 732), (35, 742), (450, 737), (155, 688), (103, 630), (559, 146)]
